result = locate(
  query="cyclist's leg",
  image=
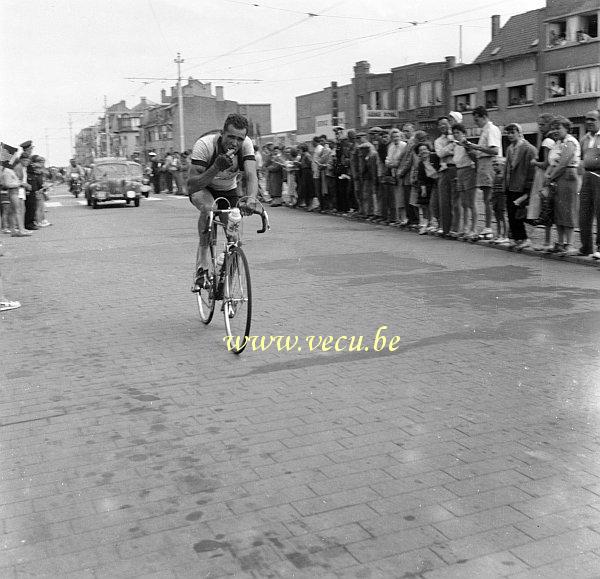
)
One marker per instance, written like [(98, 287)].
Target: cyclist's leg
[(203, 201)]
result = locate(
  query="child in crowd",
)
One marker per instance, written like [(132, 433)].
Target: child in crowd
[(427, 175), (499, 201), (465, 182)]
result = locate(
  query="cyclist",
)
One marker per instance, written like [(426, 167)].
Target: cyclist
[(76, 173), (215, 166)]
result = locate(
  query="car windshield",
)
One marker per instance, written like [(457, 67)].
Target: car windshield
[(135, 171), (112, 171)]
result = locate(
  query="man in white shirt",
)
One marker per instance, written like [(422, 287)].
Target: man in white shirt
[(488, 147)]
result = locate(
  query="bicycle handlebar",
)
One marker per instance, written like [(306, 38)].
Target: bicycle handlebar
[(263, 216)]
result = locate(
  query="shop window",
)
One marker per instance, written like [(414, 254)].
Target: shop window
[(412, 97), (520, 95), (425, 94), (379, 100), (491, 98), (438, 92), (400, 99)]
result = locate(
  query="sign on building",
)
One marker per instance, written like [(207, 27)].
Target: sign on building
[(380, 114), (324, 124)]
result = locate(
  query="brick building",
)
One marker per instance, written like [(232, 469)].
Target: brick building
[(516, 74), (416, 92), (202, 112), (317, 113)]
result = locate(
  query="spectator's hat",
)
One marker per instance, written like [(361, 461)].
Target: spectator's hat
[(456, 116), (593, 115), (361, 134), (26, 145), (151, 154), (514, 127), (375, 130), (351, 134)]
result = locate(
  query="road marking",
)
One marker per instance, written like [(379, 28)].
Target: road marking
[(53, 204)]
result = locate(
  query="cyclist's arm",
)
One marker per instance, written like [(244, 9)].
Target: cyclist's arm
[(200, 177), (251, 177)]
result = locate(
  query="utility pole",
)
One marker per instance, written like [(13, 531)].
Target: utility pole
[(71, 144), (179, 60), (106, 127), (47, 145), (460, 44)]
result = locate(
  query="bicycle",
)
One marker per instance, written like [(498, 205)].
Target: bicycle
[(229, 281)]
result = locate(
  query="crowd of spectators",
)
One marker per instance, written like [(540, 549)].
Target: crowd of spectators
[(23, 194), (405, 179), (168, 174)]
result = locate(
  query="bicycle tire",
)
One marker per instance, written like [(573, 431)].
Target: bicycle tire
[(237, 300), (206, 297)]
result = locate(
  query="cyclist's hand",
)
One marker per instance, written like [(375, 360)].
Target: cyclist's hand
[(223, 162), (249, 206)]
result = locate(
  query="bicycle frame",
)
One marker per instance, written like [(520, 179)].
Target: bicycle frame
[(230, 282)]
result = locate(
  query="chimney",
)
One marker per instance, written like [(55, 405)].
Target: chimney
[(219, 90), (163, 96), (362, 68), (495, 25), (450, 61)]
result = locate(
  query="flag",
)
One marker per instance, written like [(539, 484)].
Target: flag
[(7, 153)]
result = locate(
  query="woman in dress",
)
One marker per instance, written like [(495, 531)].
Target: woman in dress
[(538, 191), (562, 176)]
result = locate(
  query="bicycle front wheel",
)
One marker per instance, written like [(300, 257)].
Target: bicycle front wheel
[(206, 296), (237, 300)]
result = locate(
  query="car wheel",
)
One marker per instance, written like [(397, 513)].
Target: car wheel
[(137, 202), (89, 201), (95, 203)]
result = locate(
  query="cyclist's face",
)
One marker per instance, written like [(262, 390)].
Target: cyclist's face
[(233, 138)]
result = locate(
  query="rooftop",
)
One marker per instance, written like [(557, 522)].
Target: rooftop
[(515, 38)]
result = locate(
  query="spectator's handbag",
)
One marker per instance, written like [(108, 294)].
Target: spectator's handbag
[(546, 217), (521, 212)]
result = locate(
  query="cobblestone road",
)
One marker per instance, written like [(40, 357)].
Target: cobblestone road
[(133, 444)]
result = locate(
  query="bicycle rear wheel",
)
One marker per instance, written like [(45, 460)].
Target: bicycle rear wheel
[(206, 296), (237, 300)]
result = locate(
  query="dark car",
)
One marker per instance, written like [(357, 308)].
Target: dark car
[(114, 179)]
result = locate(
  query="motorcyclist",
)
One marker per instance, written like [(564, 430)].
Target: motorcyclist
[(76, 173)]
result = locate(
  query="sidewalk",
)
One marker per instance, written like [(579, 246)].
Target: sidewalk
[(536, 235)]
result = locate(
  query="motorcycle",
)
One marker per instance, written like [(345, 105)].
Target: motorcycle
[(76, 184)]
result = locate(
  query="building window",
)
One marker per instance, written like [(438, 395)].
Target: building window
[(491, 98), (438, 92), (586, 27), (464, 102), (412, 97), (520, 95), (574, 82), (425, 94), (400, 99), (557, 33)]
